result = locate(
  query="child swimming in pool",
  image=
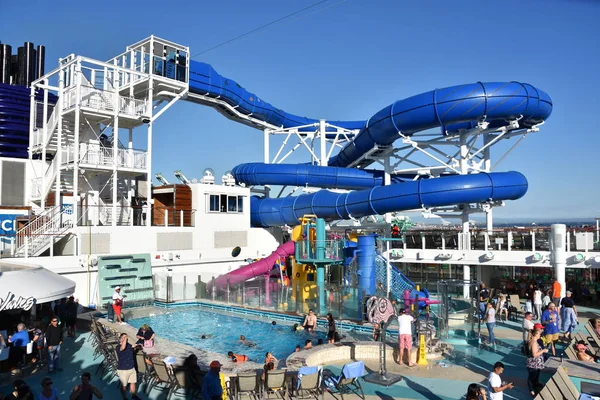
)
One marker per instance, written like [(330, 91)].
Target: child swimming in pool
[(237, 357), (246, 342)]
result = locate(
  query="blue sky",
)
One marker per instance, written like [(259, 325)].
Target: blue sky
[(351, 59)]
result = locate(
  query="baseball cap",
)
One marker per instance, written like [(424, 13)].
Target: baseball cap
[(569, 292), (580, 346), (538, 326), (215, 364), (118, 288)]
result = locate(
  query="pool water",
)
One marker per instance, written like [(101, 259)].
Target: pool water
[(186, 326)]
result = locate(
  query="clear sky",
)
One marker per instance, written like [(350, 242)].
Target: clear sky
[(349, 60)]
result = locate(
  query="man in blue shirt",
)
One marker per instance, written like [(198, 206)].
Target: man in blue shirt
[(126, 367), (550, 322), (211, 387), (19, 341), (21, 338)]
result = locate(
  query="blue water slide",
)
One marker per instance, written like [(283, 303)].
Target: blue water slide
[(311, 175), (412, 195), (205, 81), (452, 108)]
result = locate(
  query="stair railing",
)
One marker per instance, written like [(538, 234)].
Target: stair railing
[(39, 231)]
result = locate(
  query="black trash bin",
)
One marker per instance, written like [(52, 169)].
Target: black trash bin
[(110, 313)]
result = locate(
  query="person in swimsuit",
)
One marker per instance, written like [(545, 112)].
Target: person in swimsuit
[(310, 322), (331, 330), (246, 342), (269, 357), (237, 357)]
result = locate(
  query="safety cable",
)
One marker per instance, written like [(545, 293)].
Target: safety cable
[(271, 23)]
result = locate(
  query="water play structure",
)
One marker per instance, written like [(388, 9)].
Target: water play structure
[(86, 167)]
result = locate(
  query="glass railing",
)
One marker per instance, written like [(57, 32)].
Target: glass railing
[(342, 301), (320, 250), (519, 240)]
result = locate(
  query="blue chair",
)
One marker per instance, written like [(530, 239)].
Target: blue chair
[(348, 381)]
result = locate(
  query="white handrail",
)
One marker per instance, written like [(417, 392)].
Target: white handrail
[(39, 232)]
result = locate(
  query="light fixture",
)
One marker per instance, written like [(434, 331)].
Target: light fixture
[(597, 259), (444, 256), (488, 256), (537, 257), (578, 258)]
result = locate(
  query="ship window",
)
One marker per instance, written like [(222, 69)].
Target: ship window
[(214, 203), (231, 203), (225, 204)]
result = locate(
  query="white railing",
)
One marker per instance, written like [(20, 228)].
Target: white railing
[(38, 133), (37, 190), (100, 155), (132, 106), (105, 213), (104, 100), (38, 234)]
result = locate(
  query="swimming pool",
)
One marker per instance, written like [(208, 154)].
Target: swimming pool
[(187, 325)]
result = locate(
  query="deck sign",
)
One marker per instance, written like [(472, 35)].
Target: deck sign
[(11, 302), (8, 226)]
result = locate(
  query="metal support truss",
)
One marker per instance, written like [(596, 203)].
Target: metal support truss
[(313, 138)]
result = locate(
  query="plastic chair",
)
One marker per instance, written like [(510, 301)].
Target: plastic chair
[(275, 383), (309, 383), (247, 385), (348, 381)]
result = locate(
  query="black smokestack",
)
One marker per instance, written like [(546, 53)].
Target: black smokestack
[(40, 62), (21, 66), (30, 59)]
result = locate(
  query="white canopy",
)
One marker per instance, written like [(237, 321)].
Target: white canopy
[(31, 281)]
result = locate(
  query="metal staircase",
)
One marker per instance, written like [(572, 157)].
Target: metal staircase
[(37, 236)]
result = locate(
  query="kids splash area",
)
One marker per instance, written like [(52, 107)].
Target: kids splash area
[(284, 280)]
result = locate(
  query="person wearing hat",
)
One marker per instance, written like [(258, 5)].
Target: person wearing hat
[(118, 302), (569, 315), (211, 387), (582, 354)]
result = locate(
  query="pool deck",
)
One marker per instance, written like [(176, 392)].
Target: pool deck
[(424, 382)]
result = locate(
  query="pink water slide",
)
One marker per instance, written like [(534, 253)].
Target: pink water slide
[(260, 267)]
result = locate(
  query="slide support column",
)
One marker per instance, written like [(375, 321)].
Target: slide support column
[(558, 241), (366, 267), (321, 287)]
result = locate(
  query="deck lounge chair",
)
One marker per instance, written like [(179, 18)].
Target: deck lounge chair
[(162, 379), (275, 383), (559, 386), (309, 383), (348, 381), (515, 308), (593, 335), (247, 385)]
